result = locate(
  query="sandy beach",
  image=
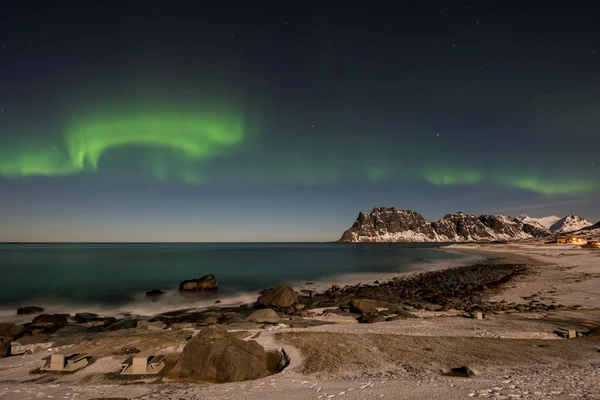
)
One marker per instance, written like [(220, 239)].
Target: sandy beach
[(512, 353)]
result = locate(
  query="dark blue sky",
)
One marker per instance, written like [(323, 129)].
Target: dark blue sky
[(234, 121)]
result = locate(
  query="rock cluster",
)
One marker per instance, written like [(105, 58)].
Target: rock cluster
[(460, 288)]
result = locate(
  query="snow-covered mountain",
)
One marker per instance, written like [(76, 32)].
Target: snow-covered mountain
[(590, 232), (556, 224), (570, 223), (544, 222), (389, 224)]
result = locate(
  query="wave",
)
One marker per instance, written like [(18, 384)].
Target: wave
[(173, 300)]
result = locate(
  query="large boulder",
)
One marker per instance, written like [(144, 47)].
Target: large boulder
[(280, 297), (5, 346), (50, 321), (29, 310), (267, 316), (207, 282), (363, 306), (10, 330), (216, 356)]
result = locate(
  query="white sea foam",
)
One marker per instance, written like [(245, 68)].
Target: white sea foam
[(173, 300)]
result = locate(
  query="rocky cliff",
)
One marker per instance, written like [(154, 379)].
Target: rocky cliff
[(389, 224)]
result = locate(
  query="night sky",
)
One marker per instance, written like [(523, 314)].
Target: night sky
[(281, 120)]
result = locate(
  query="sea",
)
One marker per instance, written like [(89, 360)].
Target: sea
[(112, 278)]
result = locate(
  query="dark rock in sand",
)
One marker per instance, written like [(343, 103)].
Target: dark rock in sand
[(10, 330), (127, 323), (210, 320), (154, 293), (29, 310), (5, 346), (71, 329), (216, 356), (363, 306), (33, 339), (50, 321), (432, 307), (341, 312), (129, 350), (307, 323), (207, 282), (267, 315), (371, 318), (279, 297), (464, 372), (110, 398)]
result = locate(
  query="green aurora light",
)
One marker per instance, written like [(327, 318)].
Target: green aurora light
[(195, 137), (195, 148)]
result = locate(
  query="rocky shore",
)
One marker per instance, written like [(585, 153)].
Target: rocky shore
[(456, 333), (467, 289)]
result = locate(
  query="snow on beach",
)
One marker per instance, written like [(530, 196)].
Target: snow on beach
[(400, 358)]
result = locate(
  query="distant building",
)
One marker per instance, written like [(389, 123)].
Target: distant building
[(571, 240), (591, 244)]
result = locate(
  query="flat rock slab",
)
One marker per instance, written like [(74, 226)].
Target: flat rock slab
[(267, 316), (363, 306)]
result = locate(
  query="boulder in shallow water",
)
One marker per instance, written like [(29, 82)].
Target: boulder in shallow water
[(280, 297), (216, 356), (29, 310), (154, 293), (207, 282), (267, 316), (363, 306)]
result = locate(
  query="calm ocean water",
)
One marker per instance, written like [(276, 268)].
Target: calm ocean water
[(117, 275)]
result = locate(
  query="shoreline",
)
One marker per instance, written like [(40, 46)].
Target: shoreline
[(146, 308), (407, 350), (174, 301)]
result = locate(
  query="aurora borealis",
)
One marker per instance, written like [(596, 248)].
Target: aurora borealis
[(290, 117), (194, 136)]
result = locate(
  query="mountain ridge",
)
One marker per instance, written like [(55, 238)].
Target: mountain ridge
[(556, 224), (390, 224)]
